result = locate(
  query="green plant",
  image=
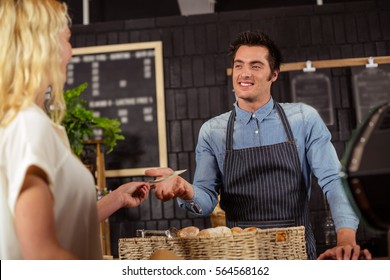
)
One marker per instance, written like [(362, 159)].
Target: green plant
[(80, 123)]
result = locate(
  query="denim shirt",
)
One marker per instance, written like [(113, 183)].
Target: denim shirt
[(264, 127)]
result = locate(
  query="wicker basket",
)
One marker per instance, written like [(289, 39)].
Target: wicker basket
[(282, 243), (273, 244)]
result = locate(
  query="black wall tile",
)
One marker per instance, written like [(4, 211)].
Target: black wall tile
[(328, 29), (135, 36), (101, 39), (193, 104), (211, 39), (370, 49), (384, 18), (223, 38), (316, 30), (217, 101), (220, 69), (196, 125), (350, 29), (175, 73), (186, 71), (235, 16), (156, 205), (123, 37), (359, 6), (344, 124), (167, 42), (339, 29), (374, 26), (304, 30), (329, 8), (198, 71), (358, 50), (173, 162), (139, 24), (170, 105), (209, 68), (171, 21), (189, 40), (178, 41), (362, 28), (346, 51), (188, 139), (204, 102), (175, 136), (168, 209), (202, 19), (381, 49), (109, 26), (181, 104), (200, 37), (184, 163), (112, 38)]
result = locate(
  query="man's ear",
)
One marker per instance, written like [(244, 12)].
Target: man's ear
[(275, 76)]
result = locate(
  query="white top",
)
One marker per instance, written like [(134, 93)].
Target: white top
[(32, 139)]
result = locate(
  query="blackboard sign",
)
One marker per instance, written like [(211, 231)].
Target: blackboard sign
[(126, 82), (314, 89), (371, 88)]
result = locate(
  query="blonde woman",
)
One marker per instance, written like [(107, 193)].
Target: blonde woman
[(47, 197)]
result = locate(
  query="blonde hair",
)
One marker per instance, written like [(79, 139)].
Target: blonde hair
[(30, 55)]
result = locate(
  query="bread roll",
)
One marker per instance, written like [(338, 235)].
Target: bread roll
[(222, 230), (250, 229), (188, 232), (214, 232), (204, 232), (236, 230)]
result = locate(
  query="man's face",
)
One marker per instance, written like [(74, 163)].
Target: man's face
[(252, 77)]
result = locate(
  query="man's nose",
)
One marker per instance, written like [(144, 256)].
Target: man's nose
[(246, 73)]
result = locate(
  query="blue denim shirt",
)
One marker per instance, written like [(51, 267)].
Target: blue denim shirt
[(264, 127)]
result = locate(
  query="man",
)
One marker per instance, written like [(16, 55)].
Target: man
[(260, 157)]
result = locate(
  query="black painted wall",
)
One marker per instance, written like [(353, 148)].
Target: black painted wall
[(196, 84)]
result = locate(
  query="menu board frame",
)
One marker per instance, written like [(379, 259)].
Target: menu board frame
[(159, 97)]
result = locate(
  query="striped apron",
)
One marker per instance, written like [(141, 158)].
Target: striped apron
[(263, 186)]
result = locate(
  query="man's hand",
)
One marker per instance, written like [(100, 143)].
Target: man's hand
[(345, 253), (346, 248), (172, 187)]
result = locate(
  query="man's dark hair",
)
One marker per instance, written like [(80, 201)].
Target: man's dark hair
[(257, 38)]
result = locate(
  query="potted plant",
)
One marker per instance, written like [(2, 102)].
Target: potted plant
[(80, 123)]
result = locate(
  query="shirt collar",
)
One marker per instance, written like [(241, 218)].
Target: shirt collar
[(260, 114)]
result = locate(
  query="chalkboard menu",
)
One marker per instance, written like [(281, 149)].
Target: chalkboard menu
[(126, 82), (314, 89), (371, 88)]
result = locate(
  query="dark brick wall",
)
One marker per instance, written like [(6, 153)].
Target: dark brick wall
[(197, 88)]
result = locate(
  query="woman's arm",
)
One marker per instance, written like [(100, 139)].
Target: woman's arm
[(34, 219), (127, 195)]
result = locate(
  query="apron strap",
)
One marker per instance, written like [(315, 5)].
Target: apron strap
[(286, 124), (229, 130), (232, 118)]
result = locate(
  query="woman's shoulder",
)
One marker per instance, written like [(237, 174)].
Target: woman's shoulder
[(31, 122)]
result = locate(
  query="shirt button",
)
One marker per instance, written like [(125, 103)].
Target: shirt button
[(257, 132)]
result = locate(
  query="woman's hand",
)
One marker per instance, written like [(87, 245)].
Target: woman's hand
[(127, 195)]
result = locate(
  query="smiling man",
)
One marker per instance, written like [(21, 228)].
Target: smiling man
[(261, 155)]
